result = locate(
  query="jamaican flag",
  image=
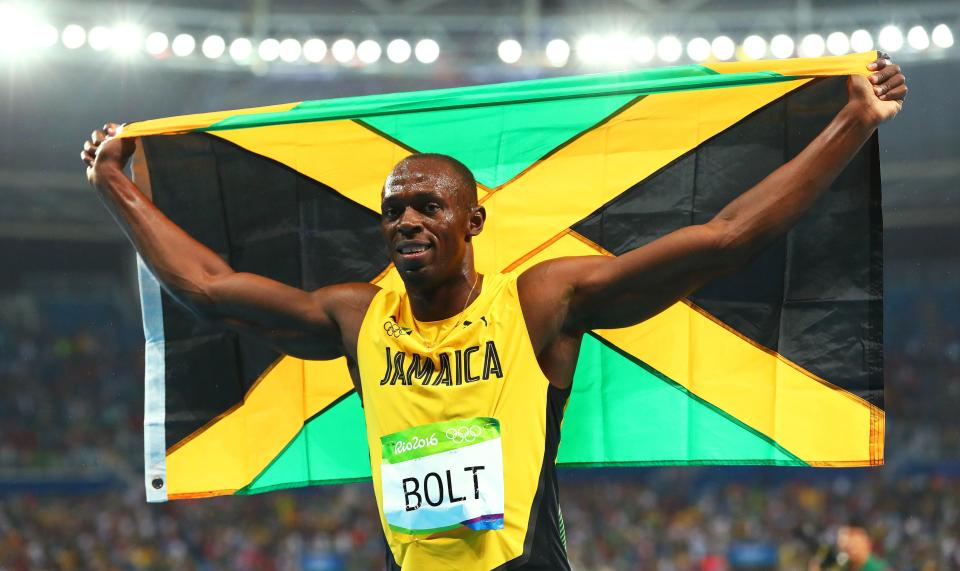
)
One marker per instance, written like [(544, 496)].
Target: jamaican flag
[(779, 364)]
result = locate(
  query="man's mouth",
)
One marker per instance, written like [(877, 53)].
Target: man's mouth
[(412, 250)]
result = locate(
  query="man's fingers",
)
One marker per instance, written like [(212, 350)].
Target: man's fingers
[(891, 83), (98, 136), (885, 73), (897, 93)]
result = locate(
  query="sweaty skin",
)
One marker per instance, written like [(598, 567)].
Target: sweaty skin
[(429, 218)]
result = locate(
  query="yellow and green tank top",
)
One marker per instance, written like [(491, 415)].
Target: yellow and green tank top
[(463, 429)]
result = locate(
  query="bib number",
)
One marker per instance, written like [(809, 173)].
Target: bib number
[(443, 476)]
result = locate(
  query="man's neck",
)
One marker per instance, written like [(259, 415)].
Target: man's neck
[(447, 299)]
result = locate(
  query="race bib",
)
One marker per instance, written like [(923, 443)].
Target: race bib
[(443, 476)]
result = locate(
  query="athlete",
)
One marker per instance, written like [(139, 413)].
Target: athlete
[(464, 377)]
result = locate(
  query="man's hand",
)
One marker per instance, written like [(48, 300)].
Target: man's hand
[(877, 98), (102, 152)]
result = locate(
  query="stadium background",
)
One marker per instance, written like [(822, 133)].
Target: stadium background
[(70, 340)]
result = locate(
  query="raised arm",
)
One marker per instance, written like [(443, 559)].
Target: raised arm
[(316, 325), (578, 294)]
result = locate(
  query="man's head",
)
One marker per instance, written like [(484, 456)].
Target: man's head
[(429, 214), (854, 542)]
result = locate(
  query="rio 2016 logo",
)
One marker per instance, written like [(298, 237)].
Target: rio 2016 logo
[(464, 434), (414, 443), (393, 330)]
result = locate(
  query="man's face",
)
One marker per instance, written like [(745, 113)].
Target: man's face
[(426, 219)]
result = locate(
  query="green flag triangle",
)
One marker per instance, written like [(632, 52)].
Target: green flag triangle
[(635, 413)]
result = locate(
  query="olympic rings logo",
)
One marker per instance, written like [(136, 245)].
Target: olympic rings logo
[(464, 434), (394, 330)]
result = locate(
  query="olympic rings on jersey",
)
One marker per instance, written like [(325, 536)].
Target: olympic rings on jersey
[(464, 434), (393, 329)]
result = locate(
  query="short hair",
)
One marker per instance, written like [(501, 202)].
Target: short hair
[(463, 172)]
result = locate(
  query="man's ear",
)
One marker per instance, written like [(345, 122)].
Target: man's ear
[(478, 215)]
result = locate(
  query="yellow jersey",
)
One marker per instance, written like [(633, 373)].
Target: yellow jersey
[(463, 429)]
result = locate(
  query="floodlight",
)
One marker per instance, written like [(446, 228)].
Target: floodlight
[(698, 49), (398, 50), (861, 41), (343, 50), (643, 49), (509, 51), (213, 46), (838, 43), (45, 35), (290, 50), (812, 45), (942, 36), (241, 49), (183, 45), (669, 49), (73, 36), (369, 51), (156, 43), (99, 38), (781, 46), (127, 38), (314, 50), (590, 49), (427, 51), (723, 48), (917, 38), (558, 52), (890, 38), (754, 47), (269, 49)]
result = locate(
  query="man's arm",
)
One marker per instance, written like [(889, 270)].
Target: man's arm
[(315, 325), (573, 295)]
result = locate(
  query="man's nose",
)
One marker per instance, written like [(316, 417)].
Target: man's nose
[(409, 222)]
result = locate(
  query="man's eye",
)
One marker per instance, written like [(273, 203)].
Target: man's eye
[(391, 212), (432, 207)]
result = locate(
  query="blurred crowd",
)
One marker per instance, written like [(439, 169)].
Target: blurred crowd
[(71, 404)]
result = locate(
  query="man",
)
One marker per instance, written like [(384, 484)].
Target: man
[(854, 551), (464, 377)]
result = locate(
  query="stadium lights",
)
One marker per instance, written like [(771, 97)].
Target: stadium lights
[(156, 43), (99, 38), (617, 48), (290, 50), (46, 35), (183, 45), (241, 49), (369, 51), (781, 46), (126, 39), (812, 45), (427, 51), (343, 50), (399, 51), (754, 47), (557, 52), (314, 50), (917, 38), (73, 36), (942, 36), (838, 43), (213, 46), (269, 49), (509, 51), (861, 41), (723, 48), (890, 38), (643, 49), (669, 49), (590, 49), (698, 49), (17, 27)]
